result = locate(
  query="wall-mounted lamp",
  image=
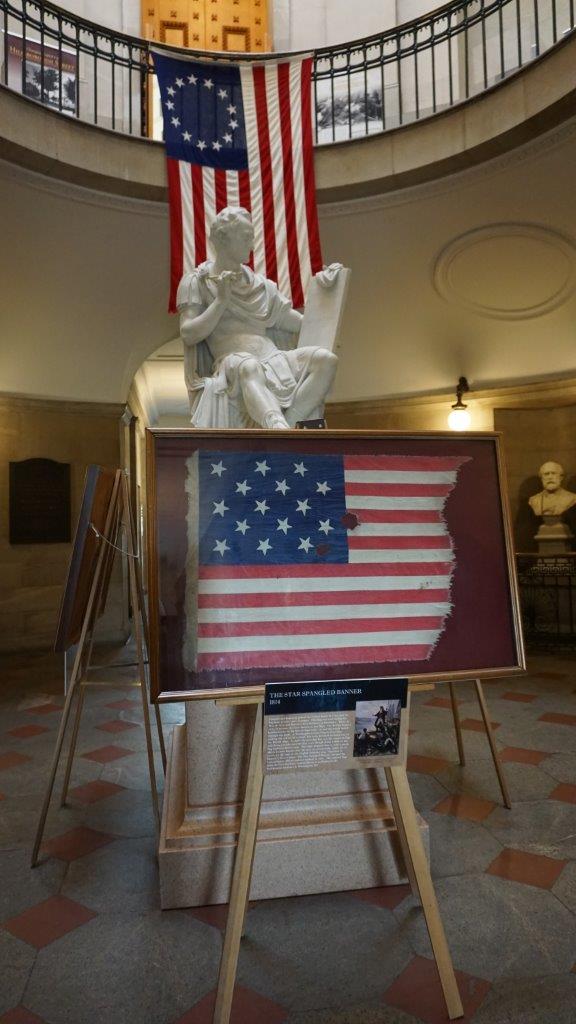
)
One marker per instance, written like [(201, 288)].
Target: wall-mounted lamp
[(459, 418)]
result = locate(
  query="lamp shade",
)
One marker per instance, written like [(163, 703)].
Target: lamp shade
[(459, 419)]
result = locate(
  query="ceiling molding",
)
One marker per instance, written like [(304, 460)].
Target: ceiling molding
[(533, 149), (64, 189), (10, 401)]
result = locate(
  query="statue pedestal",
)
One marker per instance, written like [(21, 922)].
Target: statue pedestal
[(554, 536), (319, 831)]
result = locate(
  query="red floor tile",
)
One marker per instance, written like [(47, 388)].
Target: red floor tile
[(417, 991), (103, 755), (470, 808), (76, 843), (388, 896), (247, 1008), (20, 1015), (12, 760), (522, 698), (47, 708), (558, 719), (48, 921), (439, 702), (476, 725), (124, 704), (522, 755), (425, 765), (528, 868), (565, 792), (2, 797), (94, 791), (215, 916), (118, 726), (24, 732)]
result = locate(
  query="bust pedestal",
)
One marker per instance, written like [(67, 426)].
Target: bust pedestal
[(319, 831), (553, 536)]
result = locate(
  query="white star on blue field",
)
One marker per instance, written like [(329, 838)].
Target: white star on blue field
[(203, 112), (282, 509)]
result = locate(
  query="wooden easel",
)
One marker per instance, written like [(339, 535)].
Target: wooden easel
[(413, 851), (489, 735), (118, 521)]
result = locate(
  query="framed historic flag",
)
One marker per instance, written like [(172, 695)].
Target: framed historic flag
[(290, 556)]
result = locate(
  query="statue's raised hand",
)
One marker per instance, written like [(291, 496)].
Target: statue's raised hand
[(223, 285)]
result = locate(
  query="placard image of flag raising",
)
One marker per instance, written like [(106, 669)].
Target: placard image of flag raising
[(316, 560), (240, 134)]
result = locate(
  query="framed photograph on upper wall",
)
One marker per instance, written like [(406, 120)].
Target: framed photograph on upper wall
[(290, 556)]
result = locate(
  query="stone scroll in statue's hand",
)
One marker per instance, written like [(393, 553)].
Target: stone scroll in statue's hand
[(325, 301)]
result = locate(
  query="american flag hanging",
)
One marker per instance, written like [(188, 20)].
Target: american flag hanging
[(241, 135), (316, 560)]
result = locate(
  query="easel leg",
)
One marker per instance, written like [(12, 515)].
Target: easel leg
[(407, 825), (144, 693), (73, 741), (53, 769), (402, 840), (160, 736), (492, 742), (241, 876), (457, 726)]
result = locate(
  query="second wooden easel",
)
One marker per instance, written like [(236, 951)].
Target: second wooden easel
[(119, 521)]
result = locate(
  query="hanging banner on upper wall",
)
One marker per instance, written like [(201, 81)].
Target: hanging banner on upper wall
[(48, 74), (326, 555), (240, 134)]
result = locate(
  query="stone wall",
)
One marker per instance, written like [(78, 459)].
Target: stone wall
[(32, 575)]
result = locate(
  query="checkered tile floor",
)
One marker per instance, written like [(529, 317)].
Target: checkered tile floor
[(83, 941)]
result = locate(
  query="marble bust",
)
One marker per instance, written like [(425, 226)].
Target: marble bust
[(241, 361), (553, 499)]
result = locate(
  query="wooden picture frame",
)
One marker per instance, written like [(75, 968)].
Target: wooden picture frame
[(457, 611), (96, 498)]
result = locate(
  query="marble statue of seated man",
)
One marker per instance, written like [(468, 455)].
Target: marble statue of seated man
[(241, 365)]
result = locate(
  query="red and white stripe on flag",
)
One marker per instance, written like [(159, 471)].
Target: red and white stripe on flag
[(278, 188), (389, 602)]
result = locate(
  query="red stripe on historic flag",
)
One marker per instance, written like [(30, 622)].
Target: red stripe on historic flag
[(400, 463), (370, 515), (400, 490), (245, 201), (265, 173), (323, 597), (338, 626), (326, 656), (288, 175), (220, 189), (336, 571), (176, 238), (308, 166), (399, 543), (199, 213)]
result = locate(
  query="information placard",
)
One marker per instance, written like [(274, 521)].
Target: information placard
[(311, 726)]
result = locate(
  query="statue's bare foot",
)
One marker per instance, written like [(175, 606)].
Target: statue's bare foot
[(275, 421)]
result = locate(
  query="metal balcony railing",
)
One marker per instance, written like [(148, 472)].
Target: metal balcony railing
[(370, 85)]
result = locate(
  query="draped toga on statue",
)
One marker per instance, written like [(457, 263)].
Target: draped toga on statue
[(250, 326)]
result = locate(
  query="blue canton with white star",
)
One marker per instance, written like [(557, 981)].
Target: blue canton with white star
[(203, 113), (281, 509)]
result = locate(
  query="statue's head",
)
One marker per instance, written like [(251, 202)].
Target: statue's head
[(232, 234), (551, 475)]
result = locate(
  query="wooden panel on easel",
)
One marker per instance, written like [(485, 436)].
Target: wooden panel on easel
[(98, 489)]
